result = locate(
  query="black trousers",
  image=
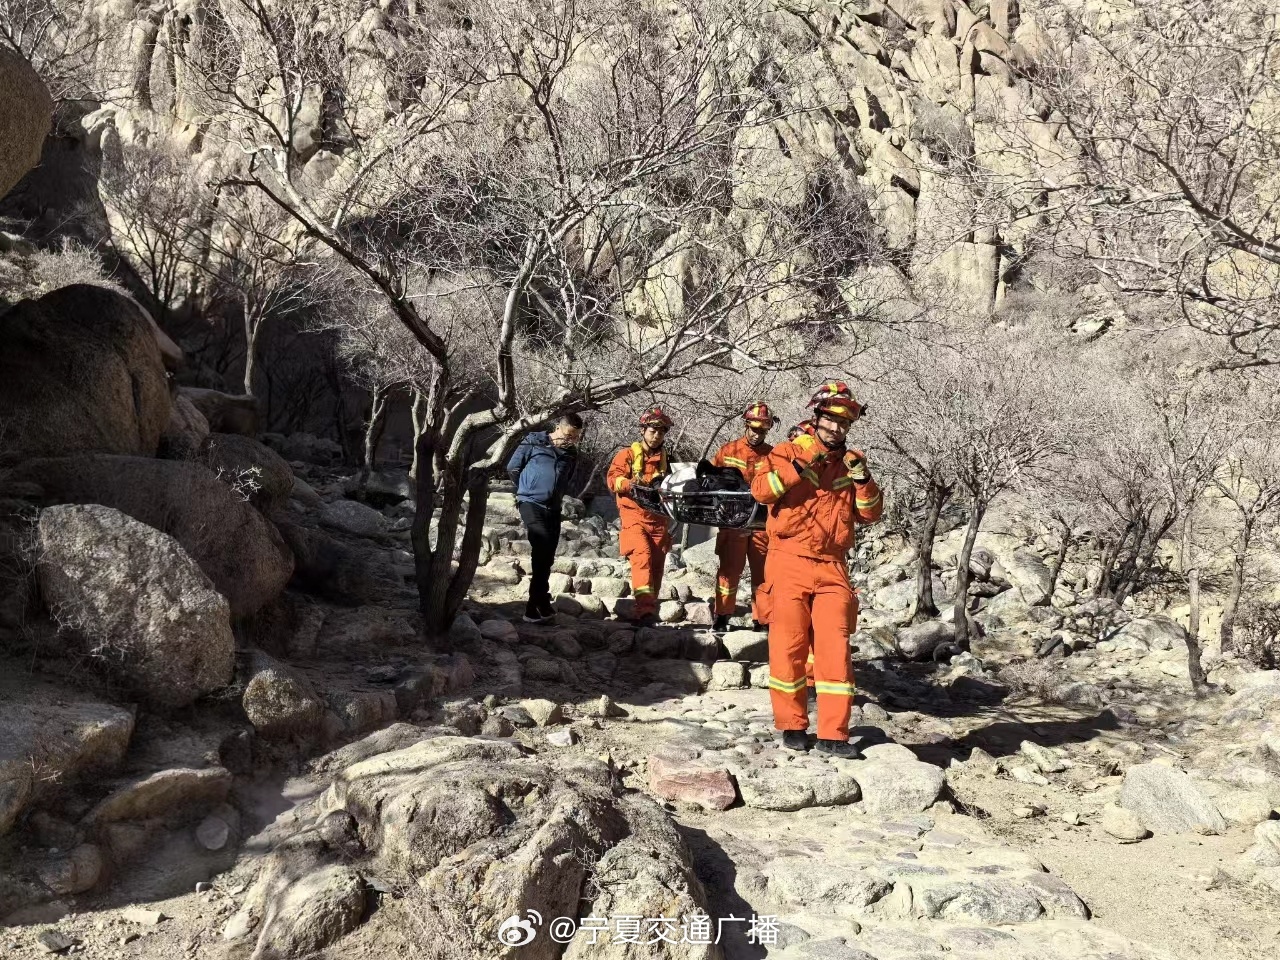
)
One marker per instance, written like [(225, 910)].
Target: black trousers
[(543, 524)]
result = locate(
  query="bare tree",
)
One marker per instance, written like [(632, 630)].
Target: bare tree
[(1165, 176), (1164, 436), (1250, 481), (59, 38), (975, 410), (562, 204), (910, 426), (158, 214), (252, 253)]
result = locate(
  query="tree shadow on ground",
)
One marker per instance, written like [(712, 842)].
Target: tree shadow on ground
[(1004, 737), (718, 875)]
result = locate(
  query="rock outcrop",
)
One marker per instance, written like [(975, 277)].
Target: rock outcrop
[(49, 737), (80, 372), (26, 111), (136, 601), (236, 547), (485, 833)]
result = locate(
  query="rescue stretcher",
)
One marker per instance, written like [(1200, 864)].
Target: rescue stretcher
[(705, 495)]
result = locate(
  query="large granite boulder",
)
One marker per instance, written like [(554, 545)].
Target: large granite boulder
[(237, 548), (50, 736), (137, 602), (26, 112), (262, 476), (80, 372)]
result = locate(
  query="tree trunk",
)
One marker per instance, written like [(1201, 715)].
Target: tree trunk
[(418, 412), (1199, 682), (373, 436), (1228, 631), (1059, 559), (425, 497), (1120, 585), (1109, 560), (1140, 561), (472, 544), (926, 606), (434, 580), (961, 609), (595, 468), (252, 331)]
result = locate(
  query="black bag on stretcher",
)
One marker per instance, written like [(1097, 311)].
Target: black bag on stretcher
[(705, 495)]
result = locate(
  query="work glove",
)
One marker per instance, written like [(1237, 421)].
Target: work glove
[(858, 468), (815, 462)]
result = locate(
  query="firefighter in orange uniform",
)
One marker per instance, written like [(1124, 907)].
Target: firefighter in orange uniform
[(645, 539), (816, 489), (737, 548)]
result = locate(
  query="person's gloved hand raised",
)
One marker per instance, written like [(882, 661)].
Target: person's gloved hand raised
[(815, 463), (857, 466)]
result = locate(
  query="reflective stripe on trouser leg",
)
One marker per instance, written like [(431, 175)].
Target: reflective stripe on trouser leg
[(731, 549), (757, 550), (832, 622), (791, 593)]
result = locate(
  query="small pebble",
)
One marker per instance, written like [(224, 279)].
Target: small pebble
[(51, 941), (148, 918)]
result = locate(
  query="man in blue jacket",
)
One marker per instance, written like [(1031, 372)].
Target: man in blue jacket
[(540, 468)]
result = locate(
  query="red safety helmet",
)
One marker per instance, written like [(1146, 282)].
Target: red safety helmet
[(801, 427), (835, 398), (655, 417), (759, 415)]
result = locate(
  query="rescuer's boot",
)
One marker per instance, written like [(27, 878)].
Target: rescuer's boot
[(795, 740), (841, 749)]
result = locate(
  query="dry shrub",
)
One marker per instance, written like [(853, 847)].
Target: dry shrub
[(1257, 634)]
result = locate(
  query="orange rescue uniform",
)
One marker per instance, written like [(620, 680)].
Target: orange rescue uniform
[(645, 539), (737, 548), (811, 519)]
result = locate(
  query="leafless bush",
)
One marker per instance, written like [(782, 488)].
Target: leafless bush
[(1257, 633), (943, 130), (244, 482), (1163, 176), (1032, 678), (59, 39), (40, 271)]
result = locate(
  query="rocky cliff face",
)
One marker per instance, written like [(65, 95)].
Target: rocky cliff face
[(920, 102)]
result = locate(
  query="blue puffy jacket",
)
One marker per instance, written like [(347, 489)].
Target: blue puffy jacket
[(540, 470)]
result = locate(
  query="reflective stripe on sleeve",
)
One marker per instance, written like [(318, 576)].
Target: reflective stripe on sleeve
[(776, 484)]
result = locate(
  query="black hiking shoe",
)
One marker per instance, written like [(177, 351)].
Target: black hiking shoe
[(547, 609), (721, 624), (532, 613), (795, 740), (841, 749)]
